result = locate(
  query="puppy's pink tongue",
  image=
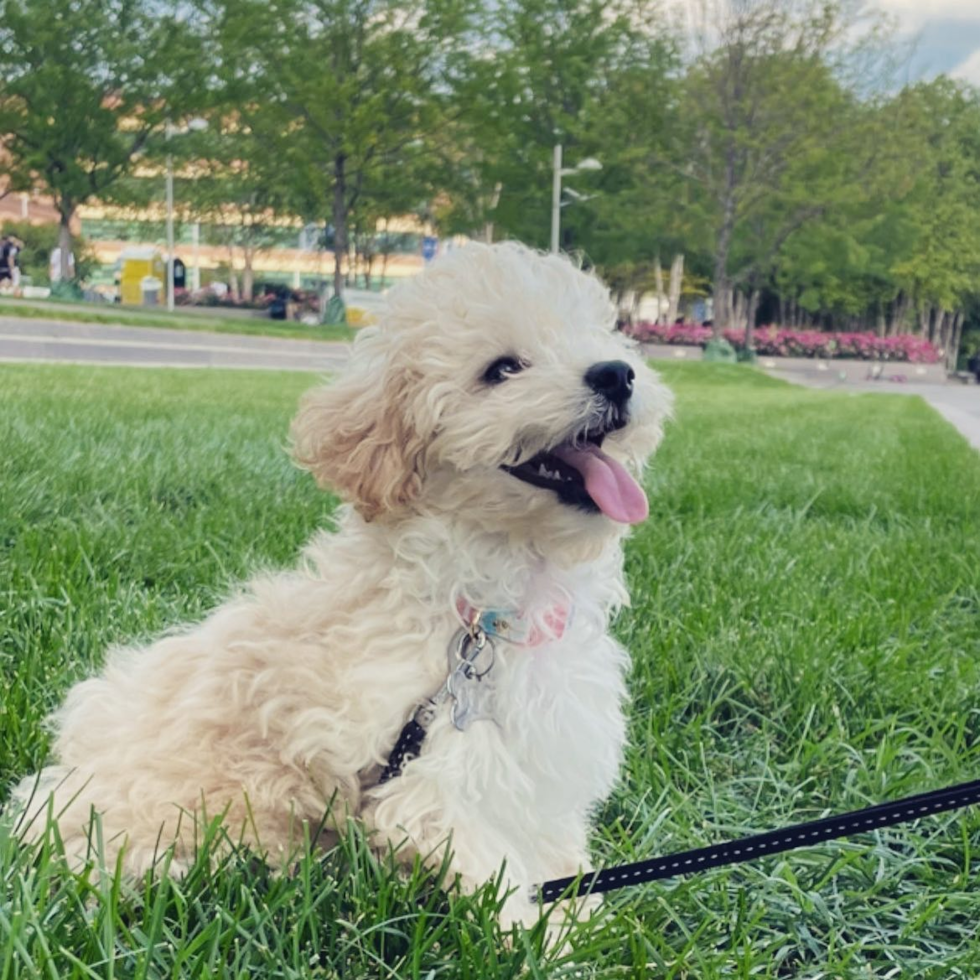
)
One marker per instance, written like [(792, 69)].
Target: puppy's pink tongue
[(608, 483)]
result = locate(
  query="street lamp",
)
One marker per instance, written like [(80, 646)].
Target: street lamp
[(193, 126), (590, 163)]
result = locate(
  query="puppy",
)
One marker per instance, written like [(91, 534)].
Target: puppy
[(440, 666)]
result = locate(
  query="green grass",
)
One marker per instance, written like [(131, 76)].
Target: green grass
[(262, 326), (806, 638)]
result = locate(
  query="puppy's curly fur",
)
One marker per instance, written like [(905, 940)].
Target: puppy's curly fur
[(287, 700)]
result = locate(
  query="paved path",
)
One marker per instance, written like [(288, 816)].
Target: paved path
[(89, 343), (958, 403)]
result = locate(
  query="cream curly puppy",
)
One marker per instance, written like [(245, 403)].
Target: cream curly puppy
[(486, 439)]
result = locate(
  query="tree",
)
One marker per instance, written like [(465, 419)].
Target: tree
[(542, 68), (941, 268), (766, 117), (226, 180), (336, 90), (393, 191), (83, 84), (902, 250), (633, 223)]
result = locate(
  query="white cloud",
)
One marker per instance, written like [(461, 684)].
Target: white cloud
[(969, 70), (935, 36), (943, 36), (913, 14)]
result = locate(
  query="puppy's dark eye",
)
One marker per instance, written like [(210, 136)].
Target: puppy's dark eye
[(502, 369)]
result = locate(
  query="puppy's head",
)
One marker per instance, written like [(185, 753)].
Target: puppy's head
[(496, 390)]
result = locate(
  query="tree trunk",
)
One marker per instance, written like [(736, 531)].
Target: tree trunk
[(738, 312), (636, 297), (897, 314), (494, 201), (384, 255), (658, 285), (67, 212), (233, 291), (750, 312), (339, 222), (720, 283), (674, 290), (956, 335), (924, 312), (939, 332), (722, 311), (248, 275)]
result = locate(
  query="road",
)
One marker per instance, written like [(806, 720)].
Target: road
[(89, 343)]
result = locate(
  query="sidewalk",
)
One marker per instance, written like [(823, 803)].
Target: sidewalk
[(90, 343)]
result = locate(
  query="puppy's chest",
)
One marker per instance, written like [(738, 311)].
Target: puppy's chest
[(558, 712), (540, 697)]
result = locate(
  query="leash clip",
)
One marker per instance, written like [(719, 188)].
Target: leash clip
[(472, 657)]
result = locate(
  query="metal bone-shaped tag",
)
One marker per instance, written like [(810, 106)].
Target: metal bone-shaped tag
[(471, 655)]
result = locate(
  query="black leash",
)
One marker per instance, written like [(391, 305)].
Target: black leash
[(760, 845)]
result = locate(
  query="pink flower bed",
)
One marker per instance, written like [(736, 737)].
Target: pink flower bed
[(777, 342)]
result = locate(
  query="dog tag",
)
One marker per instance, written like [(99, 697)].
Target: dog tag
[(471, 658), (472, 701)]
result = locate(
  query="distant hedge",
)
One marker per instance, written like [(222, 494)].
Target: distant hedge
[(778, 342)]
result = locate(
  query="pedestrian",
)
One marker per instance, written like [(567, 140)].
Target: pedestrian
[(6, 247), (13, 262)]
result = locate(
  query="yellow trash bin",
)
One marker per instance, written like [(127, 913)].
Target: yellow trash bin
[(136, 264)]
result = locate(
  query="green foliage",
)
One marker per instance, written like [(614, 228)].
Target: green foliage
[(553, 67), (83, 84), (337, 93), (766, 135), (941, 261)]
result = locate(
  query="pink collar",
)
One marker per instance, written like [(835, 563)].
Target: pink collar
[(514, 625)]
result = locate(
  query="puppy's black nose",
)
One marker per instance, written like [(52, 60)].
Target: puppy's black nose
[(614, 379)]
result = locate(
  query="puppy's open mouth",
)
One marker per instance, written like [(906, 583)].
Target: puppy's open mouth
[(582, 475)]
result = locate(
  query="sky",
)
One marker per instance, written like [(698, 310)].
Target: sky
[(946, 36)]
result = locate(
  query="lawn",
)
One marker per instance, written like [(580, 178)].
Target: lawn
[(805, 635), (259, 326)]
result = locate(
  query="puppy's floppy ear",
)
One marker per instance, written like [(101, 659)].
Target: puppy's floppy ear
[(355, 437)]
